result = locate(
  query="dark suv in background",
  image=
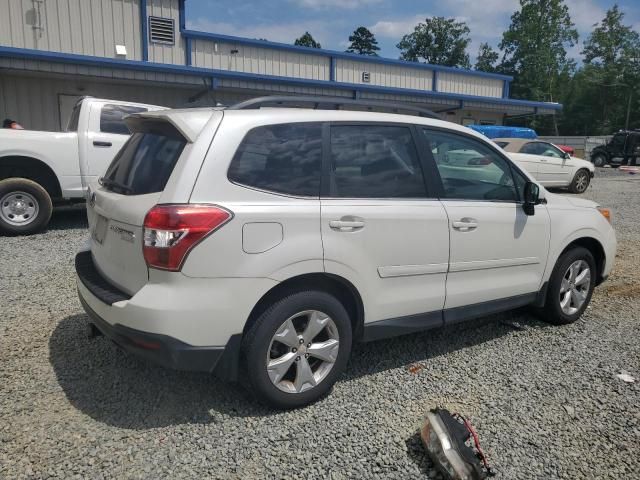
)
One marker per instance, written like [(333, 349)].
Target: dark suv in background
[(623, 148)]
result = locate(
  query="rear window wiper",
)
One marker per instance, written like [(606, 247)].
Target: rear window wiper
[(107, 182)]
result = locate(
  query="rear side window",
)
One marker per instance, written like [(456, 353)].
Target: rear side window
[(144, 164), (374, 161), (111, 118), (283, 158)]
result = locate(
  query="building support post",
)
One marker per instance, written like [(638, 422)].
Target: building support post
[(144, 24)]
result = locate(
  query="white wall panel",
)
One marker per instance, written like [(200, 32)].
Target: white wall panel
[(258, 60), (469, 85), (163, 53), (387, 75), (86, 27)]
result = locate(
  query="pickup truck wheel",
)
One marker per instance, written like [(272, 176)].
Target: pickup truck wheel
[(599, 160), (580, 182), (25, 207), (570, 287), (297, 349)]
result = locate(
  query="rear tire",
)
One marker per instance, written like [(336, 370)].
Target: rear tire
[(25, 207), (285, 369), (599, 160), (580, 181), (570, 288)]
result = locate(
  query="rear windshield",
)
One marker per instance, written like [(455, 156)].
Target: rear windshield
[(144, 164), (111, 118), (72, 126)]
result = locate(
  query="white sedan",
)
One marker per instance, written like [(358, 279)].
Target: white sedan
[(549, 165)]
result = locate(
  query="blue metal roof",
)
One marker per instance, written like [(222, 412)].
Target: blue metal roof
[(336, 54), (58, 57)]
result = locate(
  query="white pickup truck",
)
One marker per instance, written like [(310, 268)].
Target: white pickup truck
[(38, 169)]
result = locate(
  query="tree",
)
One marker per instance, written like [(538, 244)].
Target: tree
[(535, 51), (535, 47), (603, 91), (611, 44), (439, 40), (487, 58), (363, 42), (307, 40)]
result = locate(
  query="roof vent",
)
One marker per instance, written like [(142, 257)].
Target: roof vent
[(162, 30)]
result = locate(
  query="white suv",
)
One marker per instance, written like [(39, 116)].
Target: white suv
[(268, 240)]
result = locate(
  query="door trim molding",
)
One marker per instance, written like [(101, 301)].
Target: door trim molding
[(487, 264), (411, 270)]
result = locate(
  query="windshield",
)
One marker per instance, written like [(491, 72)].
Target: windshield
[(144, 164)]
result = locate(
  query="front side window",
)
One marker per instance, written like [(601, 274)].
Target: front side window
[(548, 150), (618, 140), (471, 170), (374, 161), (284, 158), (112, 118)]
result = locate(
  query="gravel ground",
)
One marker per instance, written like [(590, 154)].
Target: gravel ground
[(545, 400)]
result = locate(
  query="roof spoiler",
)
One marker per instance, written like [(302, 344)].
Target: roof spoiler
[(185, 123)]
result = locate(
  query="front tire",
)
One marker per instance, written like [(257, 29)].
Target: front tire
[(570, 286), (580, 181), (25, 207), (297, 349), (599, 160)]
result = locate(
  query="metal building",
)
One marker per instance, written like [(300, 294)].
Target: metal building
[(54, 51)]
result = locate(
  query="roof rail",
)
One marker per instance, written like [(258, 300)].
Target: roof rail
[(331, 103)]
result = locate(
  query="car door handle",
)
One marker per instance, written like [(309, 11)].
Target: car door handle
[(97, 143), (465, 224), (543, 159), (346, 225)]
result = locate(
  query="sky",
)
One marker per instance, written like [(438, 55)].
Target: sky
[(332, 21)]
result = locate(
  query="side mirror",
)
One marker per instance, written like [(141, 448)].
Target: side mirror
[(566, 156), (531, 198)]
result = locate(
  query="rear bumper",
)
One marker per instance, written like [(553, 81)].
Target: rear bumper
[(163, 324), (160, 349)]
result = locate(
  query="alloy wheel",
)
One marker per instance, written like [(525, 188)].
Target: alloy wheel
[(582, 182), (574, 288), (303, 351)]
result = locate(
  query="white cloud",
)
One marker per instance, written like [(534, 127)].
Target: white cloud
[(397, 28), (328, 4), (585, 13), (283, 32), (487, 19)]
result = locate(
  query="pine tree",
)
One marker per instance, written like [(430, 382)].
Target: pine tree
[(363, 42)]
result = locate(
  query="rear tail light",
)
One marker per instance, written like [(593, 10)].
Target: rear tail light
[(171, 231)]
